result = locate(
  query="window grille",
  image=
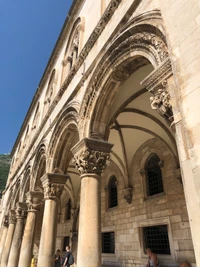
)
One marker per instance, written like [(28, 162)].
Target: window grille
[(112, 192), (108, 242), (154, 176), (68, 210), (65, 242), (156, 238)]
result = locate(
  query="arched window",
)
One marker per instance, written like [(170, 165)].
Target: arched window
[(50, 89), (112, 192), (49, 92), (73, 47), (154, 176), (36, 117), (68, 210)]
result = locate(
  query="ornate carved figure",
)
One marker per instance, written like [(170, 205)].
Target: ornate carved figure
[(128, 194), (161, 102)]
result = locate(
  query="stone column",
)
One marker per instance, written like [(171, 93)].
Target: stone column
[(33, 203), (9, 238), (53, 186), (17, 238), (4, 234), (90, 157)]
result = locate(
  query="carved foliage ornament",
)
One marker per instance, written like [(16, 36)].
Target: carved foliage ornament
[(146, 40), (21, 210), (160, 101), (90, 161), (52, 190), (6, 221), (34, 200)]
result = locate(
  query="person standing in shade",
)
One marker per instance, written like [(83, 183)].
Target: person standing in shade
[(67, 257), (58, 259), (152, 259)]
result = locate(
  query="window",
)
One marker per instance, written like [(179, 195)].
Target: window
[(68, 210), (156, 238), (36, 117), (65, 242), (112, 192), (108, 242), (154, 176)]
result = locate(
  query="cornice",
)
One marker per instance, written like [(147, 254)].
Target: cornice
[(157, 76)]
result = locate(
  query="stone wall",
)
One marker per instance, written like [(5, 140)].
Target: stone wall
[(168, 207)]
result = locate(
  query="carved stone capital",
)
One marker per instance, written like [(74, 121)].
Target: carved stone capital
[(21, 210), (6, 221), (12, 217), (53, 184), (34, 200), (128, 194), (90, 155)]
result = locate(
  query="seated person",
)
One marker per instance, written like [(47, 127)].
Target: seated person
[(152, 259)]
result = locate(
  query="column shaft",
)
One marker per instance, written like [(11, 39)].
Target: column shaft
[(89, 240), (16, 244), (7, 246), (48, 235), (3, 238), (28, 240)]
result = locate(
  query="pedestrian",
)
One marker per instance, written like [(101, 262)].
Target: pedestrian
[(69, 259), (58, 259)]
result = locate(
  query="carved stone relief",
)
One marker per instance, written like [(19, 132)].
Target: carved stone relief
[(90, 156), (21, 210), (34, 200), (128, 194), (53, 184)]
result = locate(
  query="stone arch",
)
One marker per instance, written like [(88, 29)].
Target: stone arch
[(25, 184), (39, 167), (16, 195), (150, 147), (50, 92), (62, 138), (139, 44), (36, 117)]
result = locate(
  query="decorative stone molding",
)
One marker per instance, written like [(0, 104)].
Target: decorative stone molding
[(90, 155), (21, 210), (160, 102), (12, 217), (34, 200), (6, 221), (128, 194), (53, 184), (156, 83), (157, 76)]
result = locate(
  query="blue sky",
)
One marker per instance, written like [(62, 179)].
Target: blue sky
[(28, 33)]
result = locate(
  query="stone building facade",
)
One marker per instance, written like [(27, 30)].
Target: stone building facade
[(108, 157)]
